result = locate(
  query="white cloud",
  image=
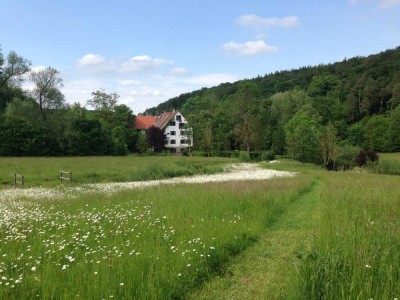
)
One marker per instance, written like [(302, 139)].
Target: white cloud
[(91, 60), (249, 48), (258, 22), (95, 63), (141, 81), (143, 64)]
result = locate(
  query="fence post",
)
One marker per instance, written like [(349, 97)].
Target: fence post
[(16, 181), (63, 176)]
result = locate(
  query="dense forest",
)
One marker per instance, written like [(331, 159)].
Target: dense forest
[(322, 114), (316, 114)]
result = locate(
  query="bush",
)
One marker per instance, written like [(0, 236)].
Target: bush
[(244, 156), (346, 157), (268, 155), (365, 156)]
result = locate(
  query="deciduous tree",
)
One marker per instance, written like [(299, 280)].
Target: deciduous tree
[(12, 68), (47, 89)]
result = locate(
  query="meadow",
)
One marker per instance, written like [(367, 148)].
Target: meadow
[(44, 171), (316, 235)]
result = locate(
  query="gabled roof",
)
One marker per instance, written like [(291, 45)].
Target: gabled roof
[(161, 121), (144, 122)]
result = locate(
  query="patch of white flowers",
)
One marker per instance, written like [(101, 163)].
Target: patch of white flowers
[(235, 172)]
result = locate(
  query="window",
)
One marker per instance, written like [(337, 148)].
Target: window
[(172, 123), (184, 141), (173, 133), (178, 118), (172, 142), (181, 125), (183, 132)]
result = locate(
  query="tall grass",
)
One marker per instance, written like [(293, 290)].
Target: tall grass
[(155, 243), (356, 253), (44, 171), (389, 163)]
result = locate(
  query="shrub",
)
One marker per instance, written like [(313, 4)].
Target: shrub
[(268, 155), (366, 155), (346, 157), (244, 156)]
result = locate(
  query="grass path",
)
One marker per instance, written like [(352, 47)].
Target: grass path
[(266, 270)]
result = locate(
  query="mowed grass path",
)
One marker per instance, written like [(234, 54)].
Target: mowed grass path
[(267, 269), (339, 240)]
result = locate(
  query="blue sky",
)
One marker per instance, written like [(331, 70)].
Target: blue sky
[(149, 51)]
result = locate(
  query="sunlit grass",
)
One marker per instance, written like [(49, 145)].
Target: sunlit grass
[(356, 253), (389, 163), (44, 171), (155, 243)]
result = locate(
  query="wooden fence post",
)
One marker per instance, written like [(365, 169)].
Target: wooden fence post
[(21, 179), (64, 174)]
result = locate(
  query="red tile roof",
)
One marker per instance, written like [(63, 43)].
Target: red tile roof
[(144, 122), (161, 121)]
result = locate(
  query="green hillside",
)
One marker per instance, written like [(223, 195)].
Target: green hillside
[(356, 100)]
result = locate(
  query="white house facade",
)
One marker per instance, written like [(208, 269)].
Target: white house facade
[(177, 133)]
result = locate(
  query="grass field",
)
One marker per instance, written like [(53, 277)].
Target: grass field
[(389, 163), (317, 235), (44, 171)]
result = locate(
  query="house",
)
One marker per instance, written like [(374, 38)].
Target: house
[(177, 135)]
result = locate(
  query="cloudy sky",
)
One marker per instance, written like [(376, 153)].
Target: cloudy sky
[(149, 51)]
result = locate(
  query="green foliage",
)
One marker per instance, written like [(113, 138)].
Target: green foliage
[(393, 130), (268, 155), (346, 157), (359, 97), (47, 90), (19, 137), (302, 138), (244, 156), (87, 137)]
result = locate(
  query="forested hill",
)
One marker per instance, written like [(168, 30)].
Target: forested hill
[(355, 100), (381, 69)]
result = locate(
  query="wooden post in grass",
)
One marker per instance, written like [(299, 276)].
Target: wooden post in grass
[(18, 179), (64, 175)]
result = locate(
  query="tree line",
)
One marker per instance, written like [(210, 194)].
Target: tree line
[(321, 114), (40, 122)]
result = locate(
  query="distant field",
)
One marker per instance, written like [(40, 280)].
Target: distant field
[(44, 171), (389, 163), (390, 156)]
